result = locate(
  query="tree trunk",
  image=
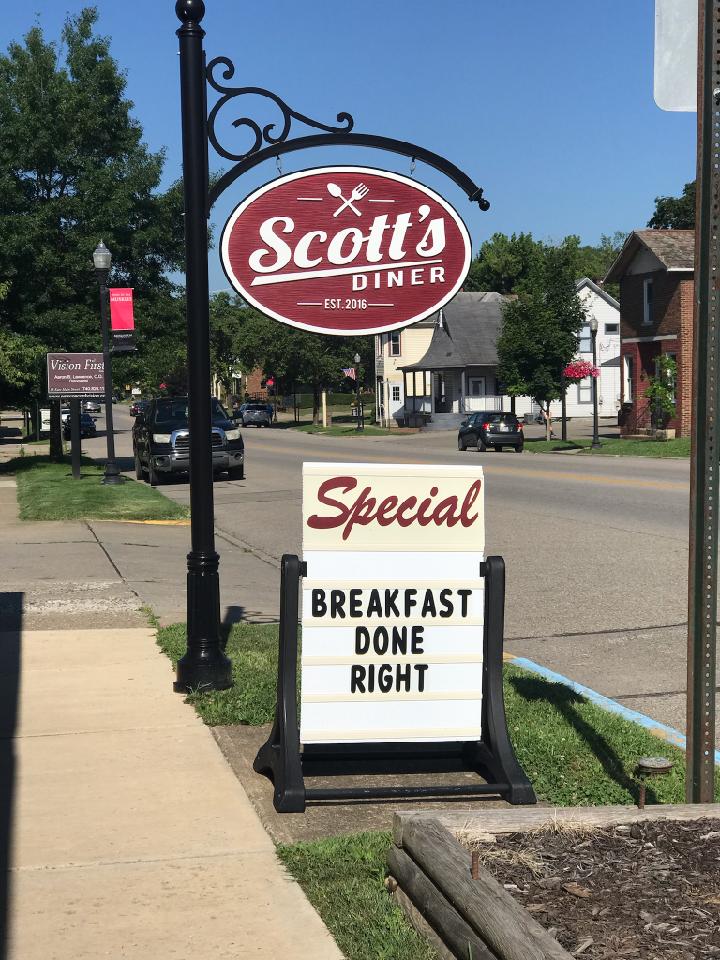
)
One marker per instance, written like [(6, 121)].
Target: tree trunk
[(548, 422), (512, 404), (316, 404), (56, 446)]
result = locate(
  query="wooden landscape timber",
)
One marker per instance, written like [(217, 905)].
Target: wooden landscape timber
[(461, 916), (502, 925)]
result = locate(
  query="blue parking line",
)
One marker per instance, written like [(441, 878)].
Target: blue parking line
[(662, 730)]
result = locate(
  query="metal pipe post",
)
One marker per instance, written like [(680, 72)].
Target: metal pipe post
[(702, 571), (112, 471), (596, 436), (75, 440), (204, 666), (357, 396)]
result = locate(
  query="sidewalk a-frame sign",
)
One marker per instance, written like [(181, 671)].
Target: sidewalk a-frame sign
[(402, 629), (402, 612)]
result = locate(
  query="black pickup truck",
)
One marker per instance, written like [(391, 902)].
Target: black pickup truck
[(161, 441)]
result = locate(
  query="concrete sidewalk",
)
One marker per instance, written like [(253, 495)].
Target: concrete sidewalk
[(131, 837)]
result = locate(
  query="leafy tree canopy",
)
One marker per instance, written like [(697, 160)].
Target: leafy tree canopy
[(540, 327), (74, 170), (504, 264), (675, 213), (241, 333)]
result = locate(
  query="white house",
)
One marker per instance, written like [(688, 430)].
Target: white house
[(435, 372), (578, 399)]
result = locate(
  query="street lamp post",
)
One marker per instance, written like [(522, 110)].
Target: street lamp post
[(204, 665), (102, 258), (360, 424), (593, 333)]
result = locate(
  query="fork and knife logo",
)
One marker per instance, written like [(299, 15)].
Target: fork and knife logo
[(357, 193)]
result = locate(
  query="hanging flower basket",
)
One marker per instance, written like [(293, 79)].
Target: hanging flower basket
[(579, 369)]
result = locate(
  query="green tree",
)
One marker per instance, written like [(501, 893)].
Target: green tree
[(675, 213), (74, 170), (540, 329), (595, 261), (503, 263), (297, 357)]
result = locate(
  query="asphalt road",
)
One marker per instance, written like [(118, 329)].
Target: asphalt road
[(595, 548)]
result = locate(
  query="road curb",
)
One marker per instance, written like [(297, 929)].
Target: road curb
[(661, 730)]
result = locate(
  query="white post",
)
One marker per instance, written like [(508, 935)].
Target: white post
[(324, 408), (462, 391)]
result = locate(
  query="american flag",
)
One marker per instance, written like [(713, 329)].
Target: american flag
[(349, 372)]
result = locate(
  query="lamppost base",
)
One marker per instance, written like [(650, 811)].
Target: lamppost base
[(111, 478), (199, 672)]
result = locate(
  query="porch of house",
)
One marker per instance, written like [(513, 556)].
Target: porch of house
[(441, 399)]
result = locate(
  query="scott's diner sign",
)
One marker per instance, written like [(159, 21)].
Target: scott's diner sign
[(346, 250)]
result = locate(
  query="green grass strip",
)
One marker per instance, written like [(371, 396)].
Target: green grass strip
[(47, 491), (680, 447), (574, 752), (343, 879)]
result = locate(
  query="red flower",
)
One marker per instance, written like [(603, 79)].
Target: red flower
[(579, 369)]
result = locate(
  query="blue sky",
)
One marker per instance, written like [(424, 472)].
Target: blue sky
[(548, 106)]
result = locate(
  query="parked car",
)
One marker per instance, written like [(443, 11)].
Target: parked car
[(91, 406), (257, 414), (161, 440), (87, 426), (491, 430), (138, 406)]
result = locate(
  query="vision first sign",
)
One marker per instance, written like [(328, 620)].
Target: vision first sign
[(393, 603), (73, 375)]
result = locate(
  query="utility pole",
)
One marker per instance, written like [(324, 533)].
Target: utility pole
[(702, 572)]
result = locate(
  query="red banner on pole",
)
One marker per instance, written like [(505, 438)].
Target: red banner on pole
[(121, 308), (122, 321)]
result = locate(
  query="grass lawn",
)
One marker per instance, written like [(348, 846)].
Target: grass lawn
[(47, 491), (574, 752), (343, 879), (343, 430), (680, 447)]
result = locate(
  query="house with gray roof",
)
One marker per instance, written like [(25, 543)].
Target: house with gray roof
[(458, 371)]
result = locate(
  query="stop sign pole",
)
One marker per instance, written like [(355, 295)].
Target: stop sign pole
[(704, 459)]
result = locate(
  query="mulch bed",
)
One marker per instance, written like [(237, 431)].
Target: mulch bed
[(649, 890)]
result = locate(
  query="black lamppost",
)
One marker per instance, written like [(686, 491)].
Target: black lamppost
[(360, 424), (204, 666), (593, 334), (102, 258)]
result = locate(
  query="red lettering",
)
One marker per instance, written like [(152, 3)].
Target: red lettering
[(361, 512), (444, 512), (365, 509), (406, 505), (336, 483), (422, 518), (386, 507), (470, 497)]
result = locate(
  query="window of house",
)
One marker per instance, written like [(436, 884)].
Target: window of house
[(647, 301), (584, 389), (627, 379), (612, 328), (396, 394), (394, 339), (585, 340)]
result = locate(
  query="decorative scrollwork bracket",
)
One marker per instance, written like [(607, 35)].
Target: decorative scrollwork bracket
[(271, 134)]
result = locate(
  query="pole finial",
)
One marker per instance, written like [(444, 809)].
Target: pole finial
[(190, 11)]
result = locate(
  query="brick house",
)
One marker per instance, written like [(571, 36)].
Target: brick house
[(657, 293)]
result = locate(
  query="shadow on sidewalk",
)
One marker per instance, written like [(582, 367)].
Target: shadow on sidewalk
[(10, 663)]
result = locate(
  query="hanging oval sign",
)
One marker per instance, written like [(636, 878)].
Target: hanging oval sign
[(346, 250)]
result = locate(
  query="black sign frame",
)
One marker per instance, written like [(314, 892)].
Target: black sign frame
[(492, 757)]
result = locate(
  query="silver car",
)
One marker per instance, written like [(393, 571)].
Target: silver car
[(256, 414)]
